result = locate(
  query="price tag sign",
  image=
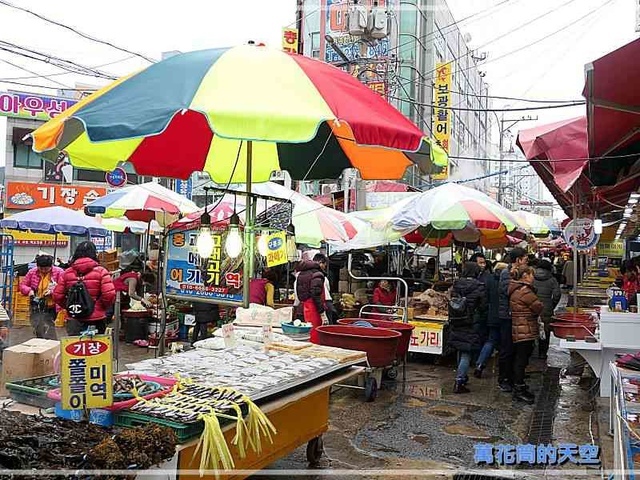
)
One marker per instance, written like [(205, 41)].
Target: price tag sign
[(426, 338), (86, 374), (267, 334), (277, 249), (228, 335)]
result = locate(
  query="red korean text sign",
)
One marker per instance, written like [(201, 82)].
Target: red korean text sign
[(29, 196), (86, 374)]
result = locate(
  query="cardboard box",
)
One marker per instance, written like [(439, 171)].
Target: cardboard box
[(33, 358)]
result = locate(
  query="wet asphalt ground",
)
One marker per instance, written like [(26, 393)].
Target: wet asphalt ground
[(418, 428)]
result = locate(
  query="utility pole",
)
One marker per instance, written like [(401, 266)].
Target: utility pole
[(502, 131)]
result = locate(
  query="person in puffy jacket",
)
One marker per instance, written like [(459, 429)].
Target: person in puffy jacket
[(526, 307), (310, 293), (384, 294), (38, 285), (205, 314), (262, 290), (548, 291), (518, 257), (97, 281), (466, 332)]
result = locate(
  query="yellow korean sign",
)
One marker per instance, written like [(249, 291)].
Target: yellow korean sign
[(290, 40), (29, 239), (611, 249), (426, 337), (442, 111), (86, 374), (276, 249)]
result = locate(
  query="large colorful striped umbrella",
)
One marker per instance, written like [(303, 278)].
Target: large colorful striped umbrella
[(455, 212), (144, 202), (533, 222), (210, 110)]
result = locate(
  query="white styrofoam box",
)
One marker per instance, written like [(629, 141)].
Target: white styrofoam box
[(620, 330)]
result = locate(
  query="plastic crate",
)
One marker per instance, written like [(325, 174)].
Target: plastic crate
[(184, 431), (75, 415), (32, 391), (101, 417)]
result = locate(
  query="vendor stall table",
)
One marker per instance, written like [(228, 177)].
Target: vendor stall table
[(625, 443), (619, 334), (300, 417)]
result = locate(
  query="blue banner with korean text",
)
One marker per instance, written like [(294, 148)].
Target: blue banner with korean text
[(186, 274)]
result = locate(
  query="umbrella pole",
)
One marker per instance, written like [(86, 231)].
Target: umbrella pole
[(55, 247), (575, 257), (116, 330), (247, 264)]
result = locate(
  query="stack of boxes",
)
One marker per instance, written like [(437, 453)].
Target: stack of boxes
[(109, 260), (21, 308)]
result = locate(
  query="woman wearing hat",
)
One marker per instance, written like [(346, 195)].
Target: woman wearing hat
[(38, 285)]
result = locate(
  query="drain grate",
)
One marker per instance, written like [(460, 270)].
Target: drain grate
[(541, 427), (476, 476)]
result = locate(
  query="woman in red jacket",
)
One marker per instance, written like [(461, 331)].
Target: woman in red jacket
[(97, 281), (384, 294)]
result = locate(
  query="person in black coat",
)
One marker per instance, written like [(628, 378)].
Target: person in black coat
[(205, 314), (491, 280), (466, 334)]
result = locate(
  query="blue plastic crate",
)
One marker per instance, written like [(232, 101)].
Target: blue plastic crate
[(101, 417), (75, 415)]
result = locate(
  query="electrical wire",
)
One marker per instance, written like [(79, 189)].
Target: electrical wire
[(523, 109), (67, 73), (528, 45), (536, 160), (64, 64), (77, 32), (23, 84), (15, 65)]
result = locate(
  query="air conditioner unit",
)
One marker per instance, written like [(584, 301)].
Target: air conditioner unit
[(378, 23), (357, 19)]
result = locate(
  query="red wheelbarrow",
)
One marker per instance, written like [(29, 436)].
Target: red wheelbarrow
[(402, 349), (380, 345)]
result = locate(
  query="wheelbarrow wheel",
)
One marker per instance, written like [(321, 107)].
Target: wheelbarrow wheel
[(370, 389), (315, 448), (392, 373)]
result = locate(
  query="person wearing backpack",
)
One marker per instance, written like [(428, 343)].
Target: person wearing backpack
[(85, 290), (466, 322)]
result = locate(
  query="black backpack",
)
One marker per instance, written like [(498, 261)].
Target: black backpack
[(79, 303)]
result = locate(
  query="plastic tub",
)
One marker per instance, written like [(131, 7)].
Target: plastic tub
[(404, 329), (380, 344), (578, 331), (290, 329), (574, 317)]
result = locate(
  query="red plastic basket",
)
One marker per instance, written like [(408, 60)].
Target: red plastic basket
[(405, 330), (578, 331), (573, 317), (380, 344)]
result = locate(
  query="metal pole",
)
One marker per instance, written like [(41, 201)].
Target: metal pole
[(163, 317), (116, 331), (55, 247), (247, 264), (575, 257), (501, 147)]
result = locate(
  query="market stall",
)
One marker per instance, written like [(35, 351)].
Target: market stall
[(624, 420)]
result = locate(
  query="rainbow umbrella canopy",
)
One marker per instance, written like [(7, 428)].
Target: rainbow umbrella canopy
[(216, 110), (142, 203), (453, 212)]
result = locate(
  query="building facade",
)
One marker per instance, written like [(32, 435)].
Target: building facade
[(404, 67), (30, 182)]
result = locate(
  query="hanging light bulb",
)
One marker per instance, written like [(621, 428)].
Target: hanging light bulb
[(597, 226), (263, 243), (498, 257), (233, 243), (204, 240)]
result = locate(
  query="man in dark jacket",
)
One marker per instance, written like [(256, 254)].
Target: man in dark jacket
[(518, 257), (466, 333), (548, 290), (310, 293), (491, 281)]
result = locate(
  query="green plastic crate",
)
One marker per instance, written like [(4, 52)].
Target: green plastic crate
[(184, 431), (32, 391)]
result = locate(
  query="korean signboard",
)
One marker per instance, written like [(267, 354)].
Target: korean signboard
[(33, 106), (86, 374), (581, 234), (276, 249), (441, 111), (219, 278), (28, 239), (613, 249), (185, 188), (29, 196), (290, 40), (426, 338)]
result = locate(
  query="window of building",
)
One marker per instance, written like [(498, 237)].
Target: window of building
[(25, 157)]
